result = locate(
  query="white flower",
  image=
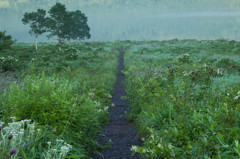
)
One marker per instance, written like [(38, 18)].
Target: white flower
[(238, 93), (134, 148), (59, 140), (236, 98), (64, 148)]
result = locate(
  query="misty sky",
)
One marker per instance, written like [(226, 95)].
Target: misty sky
[(136, 20)]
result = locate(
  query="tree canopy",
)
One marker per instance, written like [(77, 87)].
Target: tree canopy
[(36, 20), (76, 32), (67, 25), (5, 41), (61, 23)]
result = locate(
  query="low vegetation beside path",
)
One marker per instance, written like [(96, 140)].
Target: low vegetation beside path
[(55, 102), (185, 96)]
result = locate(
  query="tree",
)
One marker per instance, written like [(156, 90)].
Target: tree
[(5, 41), (67, 25), (58, 23), (79, 28), (37, 23)]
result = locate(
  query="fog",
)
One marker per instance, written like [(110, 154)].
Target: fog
[(139, 22)]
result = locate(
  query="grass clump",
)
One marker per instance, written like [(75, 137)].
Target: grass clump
[(185, 107), (66, 94)]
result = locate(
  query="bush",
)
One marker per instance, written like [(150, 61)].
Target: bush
[(185, 58), (55, 102), (23, 140), (5, 41), (229, 64), (9, 63)]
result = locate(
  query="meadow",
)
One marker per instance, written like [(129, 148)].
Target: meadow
[(184, 94), (54, 103), (185, 97)]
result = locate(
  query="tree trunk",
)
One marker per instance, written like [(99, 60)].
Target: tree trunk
[(36, 42), (60, 43)]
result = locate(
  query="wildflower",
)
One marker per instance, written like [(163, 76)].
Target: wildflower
[(0, 127), (10, 137), (13, 118), (134, 148), (49, 143), (238, 93), (79, 103), (38, 130), (92, 94), (54, 131), (13, 151), (12, 108), (164, 79), (63, 148), (236, 98), (59, 140)]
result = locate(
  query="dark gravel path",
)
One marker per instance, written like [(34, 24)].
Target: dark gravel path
[(122, 134)]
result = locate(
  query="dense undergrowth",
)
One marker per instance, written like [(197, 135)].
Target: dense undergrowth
[(56, 102), (185, 96)]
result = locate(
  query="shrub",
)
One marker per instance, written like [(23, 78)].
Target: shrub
[(23, 140), (229, 64), (55, 102), (185, 58), (5, 41), (9, 63)]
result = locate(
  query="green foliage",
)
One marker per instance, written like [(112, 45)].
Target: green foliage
[(36, 20), (57, 22), (37, 23), (184, 108), (72, 96), (9, 63), (229, 64), (23, 140), (67, 25), (79, 29), (184, 58), (5, 41)]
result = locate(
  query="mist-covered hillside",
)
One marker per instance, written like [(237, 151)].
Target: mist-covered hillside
[(136, 19), (164, 5)]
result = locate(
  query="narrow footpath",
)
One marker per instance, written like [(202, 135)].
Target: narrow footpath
[(122, 134)]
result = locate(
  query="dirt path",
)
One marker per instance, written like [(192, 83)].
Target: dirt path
[(122, 134)]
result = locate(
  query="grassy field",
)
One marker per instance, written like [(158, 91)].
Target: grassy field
[(65, 94), (185, 97)]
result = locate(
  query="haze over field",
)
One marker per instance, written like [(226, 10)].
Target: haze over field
[(136, 19)]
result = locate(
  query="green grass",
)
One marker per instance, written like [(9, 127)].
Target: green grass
[(184, 94), (184, 97), (68, 91)]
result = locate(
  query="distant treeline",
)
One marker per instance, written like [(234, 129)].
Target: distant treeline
[(161, 4)]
